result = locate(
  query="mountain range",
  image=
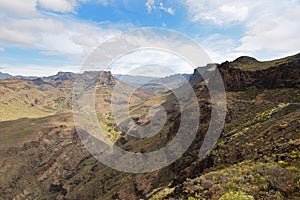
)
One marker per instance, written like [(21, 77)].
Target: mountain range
[(150, 84), (256, 157)]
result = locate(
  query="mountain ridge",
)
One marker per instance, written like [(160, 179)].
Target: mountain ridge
[(257, 155)]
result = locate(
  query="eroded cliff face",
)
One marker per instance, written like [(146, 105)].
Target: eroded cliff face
[(106, 78), (246, 72), (283, 76)]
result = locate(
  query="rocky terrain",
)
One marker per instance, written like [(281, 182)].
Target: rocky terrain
[(256, 157)]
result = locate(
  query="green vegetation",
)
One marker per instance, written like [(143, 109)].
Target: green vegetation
[(162, 194), (268, 113), (109, 126), (236, 196), (195, 198), (16, 109)]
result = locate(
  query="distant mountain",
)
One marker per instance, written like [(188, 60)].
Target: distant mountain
[(150, 84), (162, 85), (174, 80), (5, 76), (39, 97), (135, 81), (26, 77), (60, 76), (155, 84)]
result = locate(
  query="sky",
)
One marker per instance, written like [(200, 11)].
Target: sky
[(42, 37)]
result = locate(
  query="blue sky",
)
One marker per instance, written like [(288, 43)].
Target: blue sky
[(42, 37)]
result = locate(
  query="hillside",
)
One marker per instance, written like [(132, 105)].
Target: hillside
[(40, 97), (24, 98), (257, 155), (251, 64), (281, 73)]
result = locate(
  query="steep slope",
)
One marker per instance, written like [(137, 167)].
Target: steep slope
[(43, 157), (282, 73), (36, 154), (256, 156), (260, 139)]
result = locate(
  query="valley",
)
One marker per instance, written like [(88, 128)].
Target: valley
[(256, 157)]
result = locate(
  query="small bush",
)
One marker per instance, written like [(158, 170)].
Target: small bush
[(231, 186), (236, 195)]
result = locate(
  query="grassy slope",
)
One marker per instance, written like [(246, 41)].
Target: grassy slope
[(21, 98), (253, 66)]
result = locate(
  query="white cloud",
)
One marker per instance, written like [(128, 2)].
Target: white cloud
[(165, 49), (17, 7), (85, 40), (27, 32), (28, 7), (169, 10), (220, 48), (270, 30), (50, 53), (274, 32), (218, 12), (10, 37), (103, 2), (269, 27), (151, 63), (59, 5), (49, 33), (55, 33), (150, 5), (238, 13), (2, 49), (77, 39)]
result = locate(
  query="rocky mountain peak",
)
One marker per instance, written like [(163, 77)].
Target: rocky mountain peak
[(61, 76), (107, 79), (245, 60), (200, 71)]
